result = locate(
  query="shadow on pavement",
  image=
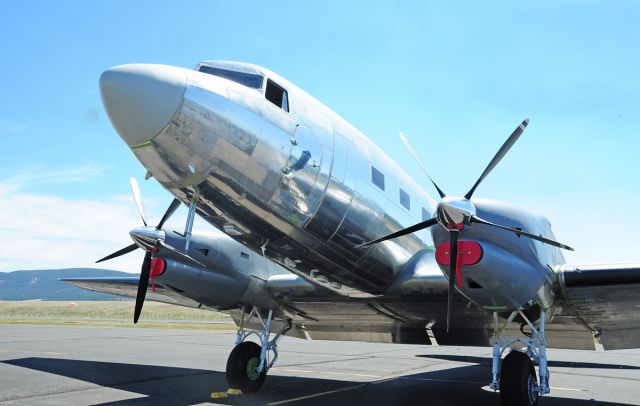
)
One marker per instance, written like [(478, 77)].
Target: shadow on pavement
[(162, 385), (486, 361)]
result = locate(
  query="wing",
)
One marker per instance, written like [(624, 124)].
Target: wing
[(605, 299), (600, 301), (414, 314), (128, 286)]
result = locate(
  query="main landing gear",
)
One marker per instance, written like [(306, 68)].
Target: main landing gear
[(515, 376), (249, 362)]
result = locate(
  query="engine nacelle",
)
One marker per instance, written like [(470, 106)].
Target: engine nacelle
[(217, 271)]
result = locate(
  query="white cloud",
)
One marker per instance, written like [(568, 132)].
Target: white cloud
[(43, 232), (14, 128), (45, 175), (40, 231)]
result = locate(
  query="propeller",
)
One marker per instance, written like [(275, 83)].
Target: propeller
[(137, 197), (145, 270), (135, 189), (143, 284), (424, 168), (455, 214), (118, 253), (499, 155), (453, 263), (517, 231)]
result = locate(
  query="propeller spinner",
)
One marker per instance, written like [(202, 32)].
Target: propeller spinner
[(455, 214)]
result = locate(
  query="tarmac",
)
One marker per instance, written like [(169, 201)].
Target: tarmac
[(57, 365)]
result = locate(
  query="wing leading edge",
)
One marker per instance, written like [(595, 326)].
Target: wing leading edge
[(604, 298), (128, 287)]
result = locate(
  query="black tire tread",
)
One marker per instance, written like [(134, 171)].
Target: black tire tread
[(515, 370), (237, 367)]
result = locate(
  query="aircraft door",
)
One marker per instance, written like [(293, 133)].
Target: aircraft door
[(298, 182), (339, 190)]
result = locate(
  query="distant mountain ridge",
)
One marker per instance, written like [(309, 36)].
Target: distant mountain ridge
[(44, 284)]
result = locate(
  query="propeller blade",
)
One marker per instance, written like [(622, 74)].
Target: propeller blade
[(424, 169), (498, 157), (143, 284), (405, 231), (138, 198), (172, 209), (453, 265), (476, 219), (118, 253)]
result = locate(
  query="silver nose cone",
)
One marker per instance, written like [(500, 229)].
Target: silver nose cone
[(141, 99), (146, 237)]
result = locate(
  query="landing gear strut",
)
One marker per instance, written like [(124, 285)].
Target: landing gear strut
[(249, 362), (515, 376)]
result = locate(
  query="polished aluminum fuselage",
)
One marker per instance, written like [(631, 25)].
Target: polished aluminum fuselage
[(241, 150)]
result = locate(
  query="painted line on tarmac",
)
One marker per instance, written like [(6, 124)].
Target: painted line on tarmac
[(305, 371), (315, 395), (568, 389), (36, 352), (439, 380)]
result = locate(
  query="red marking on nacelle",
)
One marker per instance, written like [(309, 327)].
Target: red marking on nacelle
[(158, 266), (469, 253)]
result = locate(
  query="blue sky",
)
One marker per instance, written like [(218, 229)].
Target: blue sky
[(456, 77)]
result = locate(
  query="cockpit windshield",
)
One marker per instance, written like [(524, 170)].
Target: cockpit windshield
[(247, 79)]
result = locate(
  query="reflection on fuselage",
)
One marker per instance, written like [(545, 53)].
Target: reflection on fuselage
[(298, 181)]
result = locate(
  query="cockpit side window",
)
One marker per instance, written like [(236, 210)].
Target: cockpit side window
[(246, 79), (277, 95)]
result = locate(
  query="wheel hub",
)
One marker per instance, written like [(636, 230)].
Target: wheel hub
[(252, 369), (532, 389)]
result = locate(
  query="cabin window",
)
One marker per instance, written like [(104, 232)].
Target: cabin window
[(425, 215), (245, 79), (277, 95), (405, 200), (377, 177)]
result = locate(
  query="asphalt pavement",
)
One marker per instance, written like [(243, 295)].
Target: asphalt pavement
[(57, 365)]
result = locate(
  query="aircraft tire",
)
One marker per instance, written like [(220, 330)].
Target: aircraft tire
[(518, 380), (241, 366)]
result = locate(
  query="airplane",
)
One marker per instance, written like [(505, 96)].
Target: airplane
[(323, 236)]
